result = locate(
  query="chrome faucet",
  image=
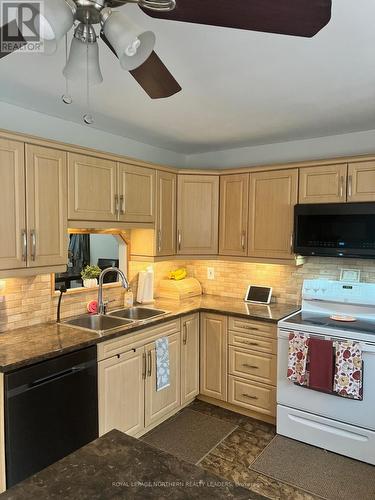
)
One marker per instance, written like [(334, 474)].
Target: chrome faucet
[(124, 281)]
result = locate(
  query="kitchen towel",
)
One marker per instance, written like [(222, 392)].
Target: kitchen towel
[(321, 364), (297, 358), (348, 369), (162, 363)]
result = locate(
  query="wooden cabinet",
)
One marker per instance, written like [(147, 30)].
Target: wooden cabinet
[(272, 197), (121, 392), (361, 181), (213, 356), (189, 358), (12, 205), (46, 202), (136, 193), (233, 223), (323, 184), (92, 188), (197, 214), (166, 213), (161, 403)]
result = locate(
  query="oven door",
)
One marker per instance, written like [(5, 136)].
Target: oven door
[(358, 413)]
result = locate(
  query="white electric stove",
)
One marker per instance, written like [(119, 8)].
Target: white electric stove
[(328, 421)]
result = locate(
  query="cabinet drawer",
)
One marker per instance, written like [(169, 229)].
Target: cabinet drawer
[(249, 364), (136, 339), (262, 328), (253, 396), (253, 342)]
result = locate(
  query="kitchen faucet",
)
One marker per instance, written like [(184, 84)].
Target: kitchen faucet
[(124, 281)]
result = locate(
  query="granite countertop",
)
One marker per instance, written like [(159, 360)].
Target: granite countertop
[(25, 346), (119, 466)]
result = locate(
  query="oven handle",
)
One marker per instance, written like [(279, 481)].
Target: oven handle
[(369, 348)]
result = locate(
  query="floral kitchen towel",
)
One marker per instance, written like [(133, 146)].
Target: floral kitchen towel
[(297, 358), (348, 370), (162, 363)]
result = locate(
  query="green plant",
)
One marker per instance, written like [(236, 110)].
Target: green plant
[(90, 272)]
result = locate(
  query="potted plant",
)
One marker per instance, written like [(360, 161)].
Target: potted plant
[(90, 276)]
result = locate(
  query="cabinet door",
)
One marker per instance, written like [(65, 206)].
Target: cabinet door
[(197, 214), (361, 181), (234, 208), (136, 193), (12, 205), (190, 358), (158, 404), (92, 188), (46, 194), (213, 356), (323, 184), (121, 392), (272, 198), (166, 213)]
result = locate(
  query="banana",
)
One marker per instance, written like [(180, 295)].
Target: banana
[(178, 274)]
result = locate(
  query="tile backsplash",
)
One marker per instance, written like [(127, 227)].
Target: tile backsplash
[(29, 300)]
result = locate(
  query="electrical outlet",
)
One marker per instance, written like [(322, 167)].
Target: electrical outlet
[(210, 273)]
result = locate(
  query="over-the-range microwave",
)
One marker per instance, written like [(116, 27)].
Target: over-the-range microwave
[(335, 229)]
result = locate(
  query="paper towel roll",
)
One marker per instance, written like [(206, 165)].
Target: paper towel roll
[(148, 289), (141, 286)]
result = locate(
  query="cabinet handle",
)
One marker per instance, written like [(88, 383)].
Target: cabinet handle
[(179, 239), (24, 244), (249, 396), (116, 205), (350, 186), (247, 327), (184, 337), (122, 204), (33, 244), (144, 362), (149, 363), (243, 240), (291, 242), (341, 186), (159, 240), (253, 367), (249, 343)]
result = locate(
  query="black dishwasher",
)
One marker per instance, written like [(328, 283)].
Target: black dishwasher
[(51, 409)]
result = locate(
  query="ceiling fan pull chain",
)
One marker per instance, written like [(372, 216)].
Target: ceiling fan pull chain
[(88, 118), (66, 98)]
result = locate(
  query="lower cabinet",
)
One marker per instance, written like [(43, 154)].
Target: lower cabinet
[(189, 358)]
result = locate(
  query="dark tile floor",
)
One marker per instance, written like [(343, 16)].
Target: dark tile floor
[(232, 457)]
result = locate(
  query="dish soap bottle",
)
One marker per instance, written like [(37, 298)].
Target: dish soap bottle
[(129, 298)]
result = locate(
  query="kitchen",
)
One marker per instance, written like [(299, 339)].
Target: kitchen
[(83, 399)]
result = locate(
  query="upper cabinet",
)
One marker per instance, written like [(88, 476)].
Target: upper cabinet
[(197, 214), (234, 190), (323, 184), (166, 214), (272, 197), (102, 190), (361, 181)]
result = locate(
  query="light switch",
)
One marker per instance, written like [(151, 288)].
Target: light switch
[(210, 273)]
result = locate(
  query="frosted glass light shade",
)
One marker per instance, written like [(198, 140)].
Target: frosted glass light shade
[(132, 46), (55, 20), (76, 69)]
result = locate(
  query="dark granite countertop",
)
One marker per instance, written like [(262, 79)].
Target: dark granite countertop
[(118, 466), (25, 346)]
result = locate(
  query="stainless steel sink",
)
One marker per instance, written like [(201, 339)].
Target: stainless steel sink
[(137, 313), (98, 322)]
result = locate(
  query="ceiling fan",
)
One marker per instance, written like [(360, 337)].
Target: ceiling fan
[(135, 48)]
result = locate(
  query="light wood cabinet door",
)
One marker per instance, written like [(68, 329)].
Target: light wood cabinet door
[(213, 356), (166, 213), (197, 214), (323, 184), (12, 205), (92, 188), (46, 202), (272, 197), (234, 206), (161, 403), (361, 181), (121, 392), (136, 193), (189, 358)]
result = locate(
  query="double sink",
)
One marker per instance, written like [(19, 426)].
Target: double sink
[(115, 320)]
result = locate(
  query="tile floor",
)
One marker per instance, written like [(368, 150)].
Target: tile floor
[(232, 457)]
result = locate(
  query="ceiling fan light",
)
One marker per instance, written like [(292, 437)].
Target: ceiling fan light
[(76, 69), (54, 22), (132, 46)]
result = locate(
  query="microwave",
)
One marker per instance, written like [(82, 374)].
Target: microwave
[(335, 229)]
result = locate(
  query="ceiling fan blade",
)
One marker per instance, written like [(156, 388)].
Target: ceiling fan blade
[(153, 76), (6, 47), (286, 17)]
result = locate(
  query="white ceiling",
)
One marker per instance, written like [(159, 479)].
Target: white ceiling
[(240, 88)]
